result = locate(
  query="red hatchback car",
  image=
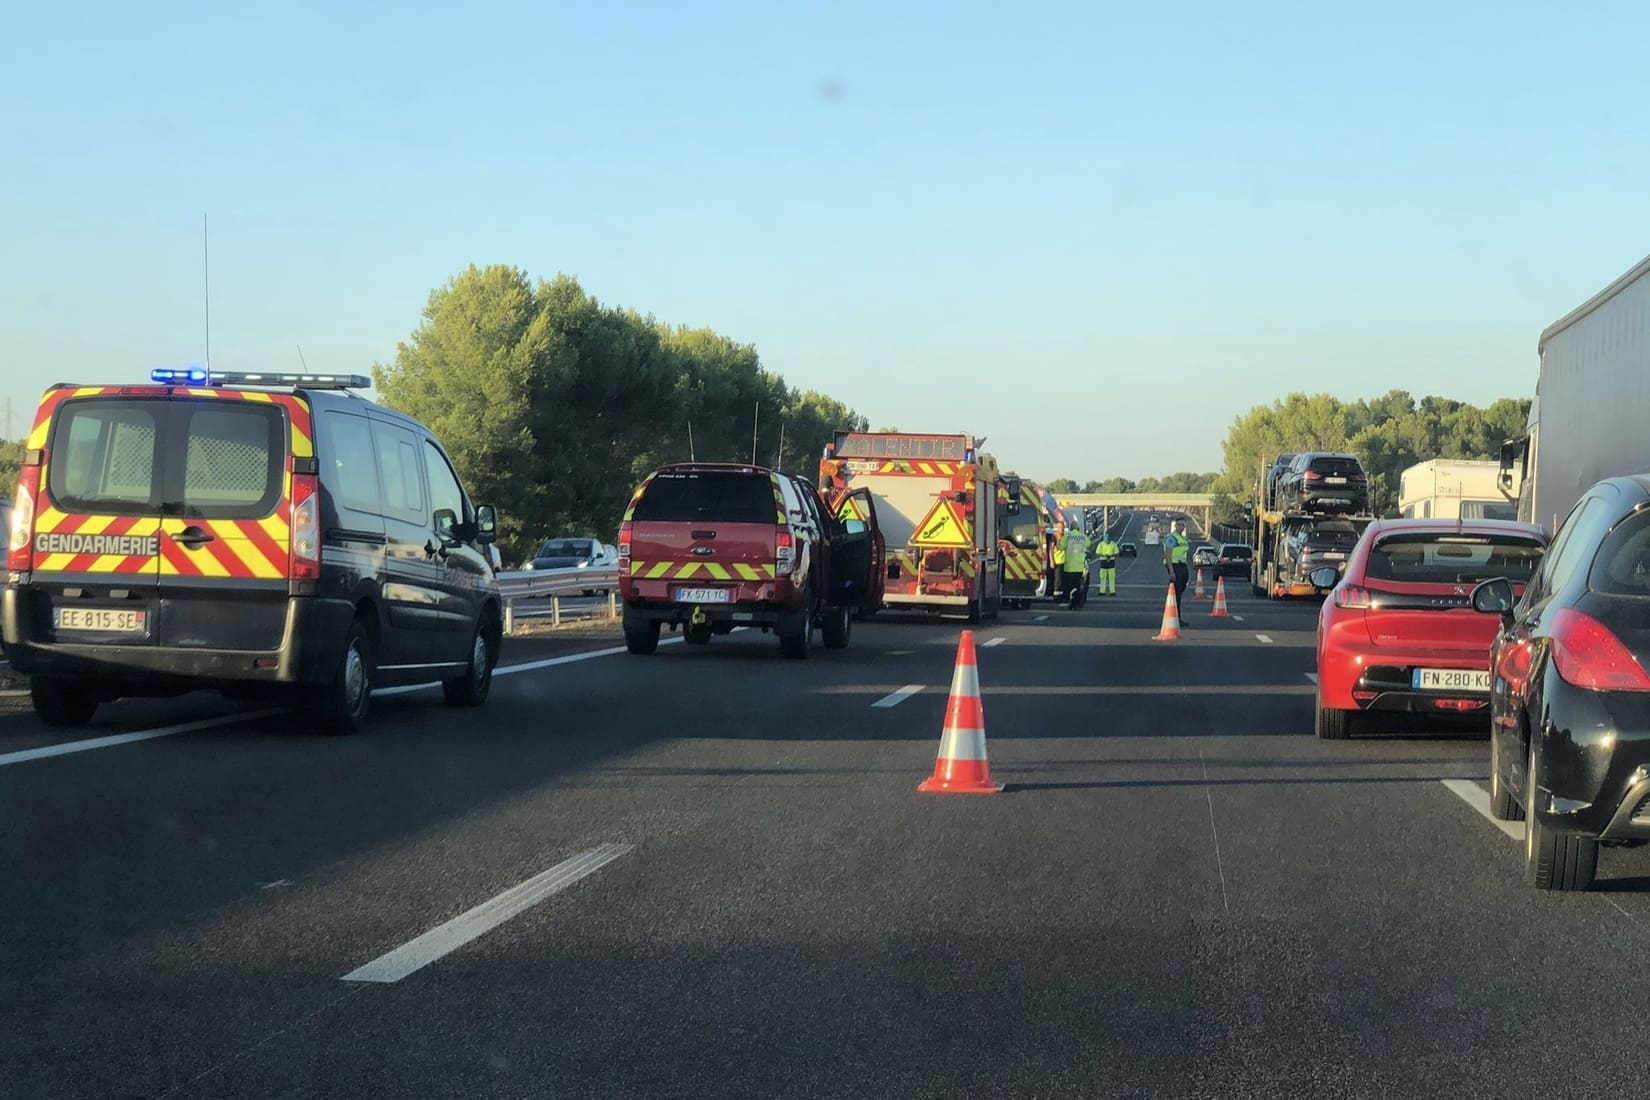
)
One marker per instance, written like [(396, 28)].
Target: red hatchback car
[(1398, 633)]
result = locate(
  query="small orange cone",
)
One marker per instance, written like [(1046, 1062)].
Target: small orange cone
[(1197, 593), (1170, 630), (961, 767), (1220, 599)]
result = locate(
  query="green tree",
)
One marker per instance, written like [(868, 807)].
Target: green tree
[(1062, 485), (11, 462)]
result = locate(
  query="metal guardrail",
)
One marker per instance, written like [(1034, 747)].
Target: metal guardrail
[(553, 584)]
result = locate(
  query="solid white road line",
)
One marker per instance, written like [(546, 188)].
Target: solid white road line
[(23, 756), (896, 698), (443, 939), (1479, 799), (994, 641), (1263, 638)]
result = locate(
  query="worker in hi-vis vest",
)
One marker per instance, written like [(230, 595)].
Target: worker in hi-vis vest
[(1106, 552), (1177, 548), (1074, 573), (1056, 560)]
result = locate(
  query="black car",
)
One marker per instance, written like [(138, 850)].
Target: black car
[(1280, 466), (1321, 543), (1128, 549), (257, 534), (1569, 694), (1233, 560), (1320, 482)]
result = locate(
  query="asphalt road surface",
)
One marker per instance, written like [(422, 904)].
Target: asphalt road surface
[(709, 873)]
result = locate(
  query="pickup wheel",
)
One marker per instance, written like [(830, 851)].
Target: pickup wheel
[(62, 703), (642, 639), (836, 627), (796, 631)]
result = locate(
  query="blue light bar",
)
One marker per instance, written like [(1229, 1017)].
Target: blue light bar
[(184, 376)]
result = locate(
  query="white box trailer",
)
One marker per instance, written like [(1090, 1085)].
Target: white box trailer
[(1592, 402), (1455, 488)]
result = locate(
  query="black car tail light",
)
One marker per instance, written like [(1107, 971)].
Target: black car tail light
[(1589, 656)]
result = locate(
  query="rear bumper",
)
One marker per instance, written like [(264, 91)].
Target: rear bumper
[(1381, 681), (1593, 761), (765, 615), (898, 599), (311, 643)]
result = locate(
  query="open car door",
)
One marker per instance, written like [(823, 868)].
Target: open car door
[(857, 559)]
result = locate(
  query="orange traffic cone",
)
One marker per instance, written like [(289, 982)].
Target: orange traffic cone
[(1197, 593), (1219, 611), (961, 767), (1170, 630)]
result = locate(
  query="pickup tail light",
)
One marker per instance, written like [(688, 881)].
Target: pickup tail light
[(784, 550), (306, 528), (20, 539), (1352, 597), (624, 548), (1589, 656)]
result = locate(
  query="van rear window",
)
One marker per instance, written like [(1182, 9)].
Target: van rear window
[(208, 459), (707, 497)]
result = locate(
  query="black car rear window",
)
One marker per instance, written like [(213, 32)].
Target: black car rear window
[(1237, 551), (1332, 466), (1441, 558), (207, 459), (708, 497), (1622, 565), (566, 548)]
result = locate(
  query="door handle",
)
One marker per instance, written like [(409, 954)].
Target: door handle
[(193, 537)]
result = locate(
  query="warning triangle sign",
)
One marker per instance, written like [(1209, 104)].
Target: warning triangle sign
[(850, 508), (943, 527)]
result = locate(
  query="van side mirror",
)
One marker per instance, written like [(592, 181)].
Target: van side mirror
[(1494, 597), (1325, 578)]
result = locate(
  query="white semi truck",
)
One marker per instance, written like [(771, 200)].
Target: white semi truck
[(1455, 488), (1592, 402)]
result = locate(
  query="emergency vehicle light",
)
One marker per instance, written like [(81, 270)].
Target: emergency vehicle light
[(189, 376)]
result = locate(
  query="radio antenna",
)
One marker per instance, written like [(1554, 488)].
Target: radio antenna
[(690, 442), (206, 278), (301, 358)]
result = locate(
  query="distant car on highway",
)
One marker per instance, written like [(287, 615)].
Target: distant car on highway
[(1398, 632), (1204, 555), (1233, 560), (1128, 549), (586, 552), (1569, 692), (1153, 537)]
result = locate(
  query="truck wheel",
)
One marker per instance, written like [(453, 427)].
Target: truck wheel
[(796, 633), (342, 706), (1554, 860), (63, 702), (973, 612), (836, 627), (642, 639)]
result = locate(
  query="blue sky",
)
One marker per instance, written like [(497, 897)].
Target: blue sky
[(1095, 234)]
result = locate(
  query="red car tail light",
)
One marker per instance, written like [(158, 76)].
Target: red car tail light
[(1311, 475), (1353, 597), (1459, 705), (20, 539), (1587, 655)]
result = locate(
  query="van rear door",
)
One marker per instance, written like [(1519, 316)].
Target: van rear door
[(224, 538), (97, 519)]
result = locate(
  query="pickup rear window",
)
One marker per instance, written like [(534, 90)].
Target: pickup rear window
[(1453, 559), (707, 496)]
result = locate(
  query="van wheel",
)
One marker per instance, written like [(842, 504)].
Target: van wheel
[(837, 627), (796, 636), (470, 689), (63, 702), (343, 704), (642, 640)]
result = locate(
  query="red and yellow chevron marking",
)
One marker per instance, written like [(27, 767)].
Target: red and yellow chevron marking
[(966, 566), (239, 548), (636, 497), (1020, 564), (778, 500), (925, 469), (705, 570)]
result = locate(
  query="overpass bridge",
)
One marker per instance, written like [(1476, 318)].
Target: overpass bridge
[(1197, 504)]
